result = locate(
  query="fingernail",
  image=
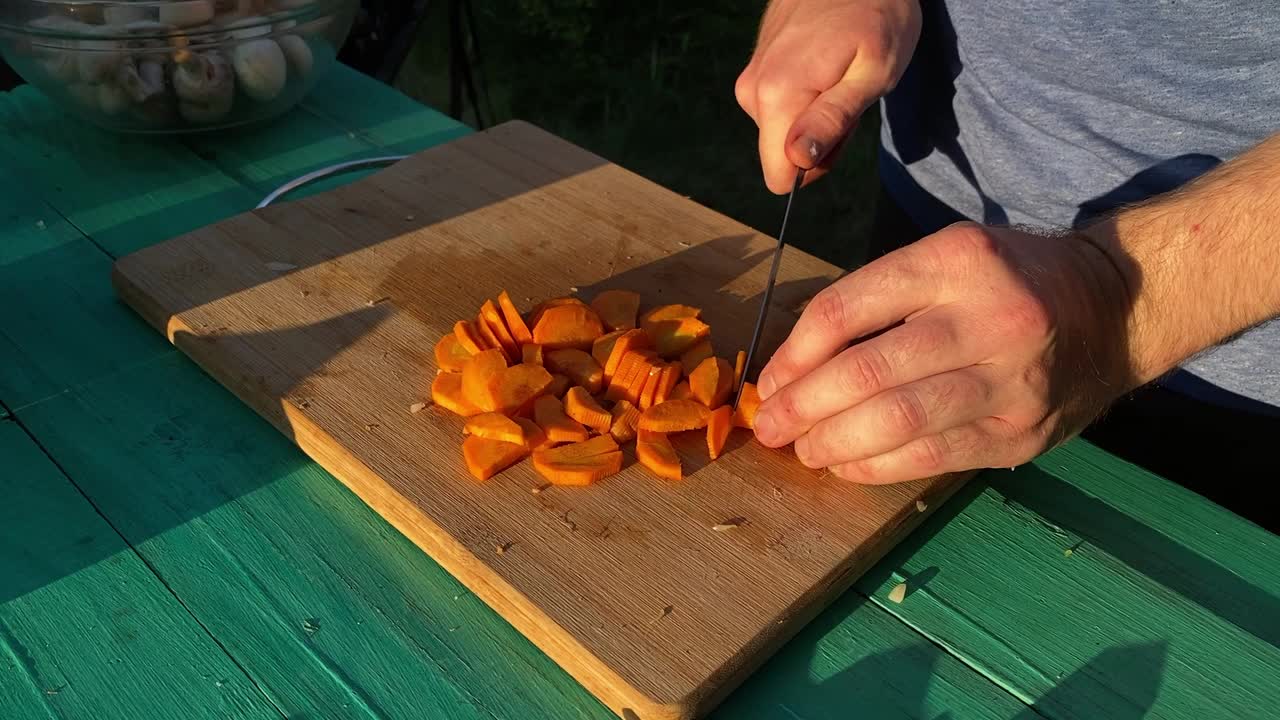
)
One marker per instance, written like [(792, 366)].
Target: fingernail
[(766, 429), (766, 386), (809, 147)]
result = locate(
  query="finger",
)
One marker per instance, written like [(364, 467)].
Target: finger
[(872, 298), (830, 118), (896, 417), (777, 105), (953, 450)]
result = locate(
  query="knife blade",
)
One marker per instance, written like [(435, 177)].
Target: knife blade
[(768, 291)]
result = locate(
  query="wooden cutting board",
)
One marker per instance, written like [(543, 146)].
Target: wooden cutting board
[(322, 313)]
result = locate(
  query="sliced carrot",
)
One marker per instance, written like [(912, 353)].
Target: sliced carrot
[(494, 426), (655, 452), (542, 307), (617, 308), (603, 346), (675, 416), (719, 423), (748, 401), (564, 326), (534, 437), (627, 342), (681, 391), (673, 337), (668, 312), (579, 405), (648, 368), (518, 386), (650, 388), (627, 371), (486, 458), (548, 412), (597, 445), (480, 378), (625, 417), (450, 354), (491, 340), (579, 366), (670, 378), (694, 356), (559, 385), (469, 337), (531, 353), (519, 330), (492, 316), (580, 471), (712, 382), (446, 391), (739, 366)]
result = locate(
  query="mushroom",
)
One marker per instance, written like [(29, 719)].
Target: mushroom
[(187, 13), (298, 53), (111, 99), (96, 60), (260, 68), (205, 85), (141, 81)]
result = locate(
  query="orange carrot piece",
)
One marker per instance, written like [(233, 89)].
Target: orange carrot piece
[(469, 337), (627, 342), (694, 356), (531, 353), (674, 416), (579, 366), (542, 307), (670, 378), (626, 373), (673, 337), (548, 412), (565, 326), (480, 378), (712, 382), (491, 340), (681, 391), (603, 346), (648, 368), (450, 354), (579, 405), (625, 416), (597, 445), (534, 437), (650, 388), (739, 367), (446, 391), (748, 401), (493, 318), (719, 423), (494, 426), (668, 312), (617, 308), (519, 330), (486, 458), (559, 385), (581, 471), (518, 386), (654, 451)]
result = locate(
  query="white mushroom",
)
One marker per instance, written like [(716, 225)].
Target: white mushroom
[(205, 85), (260, 68), (97, 59), (141, 81), (111, 99), (187, 13), (298, 53)]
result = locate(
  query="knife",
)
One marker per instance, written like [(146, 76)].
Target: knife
[(768, 290)]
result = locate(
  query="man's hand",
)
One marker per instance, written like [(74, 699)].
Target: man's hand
[(817, 66), (974, 347)]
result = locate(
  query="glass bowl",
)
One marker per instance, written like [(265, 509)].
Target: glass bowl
[(156, 66)]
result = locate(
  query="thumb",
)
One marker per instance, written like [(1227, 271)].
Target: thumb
[(830, 118)]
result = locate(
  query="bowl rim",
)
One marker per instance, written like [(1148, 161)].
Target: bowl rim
[(78, 29)]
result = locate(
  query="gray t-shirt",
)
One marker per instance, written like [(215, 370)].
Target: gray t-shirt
[(1047, 113)]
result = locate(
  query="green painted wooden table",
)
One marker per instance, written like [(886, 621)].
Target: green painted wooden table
[(166, 554)]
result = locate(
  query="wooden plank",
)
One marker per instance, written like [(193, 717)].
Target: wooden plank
[(259, 542), (1096, 590), (386, 265), (85, 629)]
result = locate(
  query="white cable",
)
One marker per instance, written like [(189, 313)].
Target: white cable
[(326, 172)]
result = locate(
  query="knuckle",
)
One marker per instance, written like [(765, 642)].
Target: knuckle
[(829, 310), (904, 414), (863, 372), (809, 451), (784, 407), (742, 88), (772, 89), (930, 453), (1027, 317), (833, 119)]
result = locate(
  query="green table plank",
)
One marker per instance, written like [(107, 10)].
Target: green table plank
[(335, 614), (1096, 590), (86, 631)]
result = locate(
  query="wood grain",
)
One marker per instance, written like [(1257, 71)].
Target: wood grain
[(335, 349)]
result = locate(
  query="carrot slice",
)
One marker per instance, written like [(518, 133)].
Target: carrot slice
[(494, 426), (655, 452), (617, 308), (531, 353), (450, 354), (579, 405), (486, 458), (579, 366), (748, 401), (480, 377), (673, 337), (627, 342), (668, 312), (603, 346), (712, 382), (563, 326), (518, 386), (650, 388), (719, 424), (469, 337), (490, 339), (670, 378), (493, 318), (519, 330), (627, 372), (559, 385), (648, 368), (548, 412), (542, 307), (739, 366), (446, 391), (694, 356), (534, 437), (625, 417), (581, 471), (597, 445), (681, 391), (674, 416)]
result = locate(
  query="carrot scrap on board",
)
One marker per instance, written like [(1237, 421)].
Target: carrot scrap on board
[(579, 405), (492, 317), (739, 366), (655, 451), (450, 354), (681, 391), (494, 426), (719, 424), (578, 366), (711, 382), (670, 378), (568, 326), (480, 377), (467, 335), (518, 386), (533, 436), (490, 340), (446, 391), (675, 416), (625, 416), (748, 401), (515, 323), (672, 337), (577, 471), (617, 308), (486, 458), (542, 307), (629, 341), (549, 413)]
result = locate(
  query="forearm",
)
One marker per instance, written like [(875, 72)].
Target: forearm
[(1201, 263)]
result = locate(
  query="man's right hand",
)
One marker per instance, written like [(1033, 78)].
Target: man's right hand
[(817, 66)]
